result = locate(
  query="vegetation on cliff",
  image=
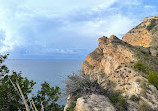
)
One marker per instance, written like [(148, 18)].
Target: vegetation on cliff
[(153, 79), (131, 64), (79, 85)]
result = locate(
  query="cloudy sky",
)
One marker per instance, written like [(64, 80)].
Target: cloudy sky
[(61, 29)]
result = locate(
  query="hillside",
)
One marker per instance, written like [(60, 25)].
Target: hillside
[(124, 66)]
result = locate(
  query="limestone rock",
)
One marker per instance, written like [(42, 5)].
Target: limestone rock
[(94, 103), (110, 54), (113, 61), (112, 64), (145, 34)]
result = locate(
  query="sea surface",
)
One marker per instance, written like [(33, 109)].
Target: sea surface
[(52, 71)]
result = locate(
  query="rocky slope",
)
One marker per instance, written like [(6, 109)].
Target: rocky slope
[(145, 34), (114, 63)]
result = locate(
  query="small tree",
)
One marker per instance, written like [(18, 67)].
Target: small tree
[(12, 100), (9, 98), (3, 69), (48, 96), (153, 79), (139, 66)]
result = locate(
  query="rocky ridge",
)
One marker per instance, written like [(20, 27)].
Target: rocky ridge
[(145, 34), (113, 62)]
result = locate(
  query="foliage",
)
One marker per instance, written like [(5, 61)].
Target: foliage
[(77, 85), (82, 85), (139, 66), (144, 52), (11, 84), (118, 100), (10, 99), (72, 107), (49, 96), (3, 69), (134, 98), (153, 79)]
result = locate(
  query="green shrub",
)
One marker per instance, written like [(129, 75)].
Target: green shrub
[(145, 53), (134, 98), (139, 66), (153, 79), (118, 101), (72, 107)]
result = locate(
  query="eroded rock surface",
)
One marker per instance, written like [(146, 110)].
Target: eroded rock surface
[(113, 61), (145, 34), (94, 103), (112, 64)]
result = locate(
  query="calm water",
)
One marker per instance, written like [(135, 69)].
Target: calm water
[(52, 71)]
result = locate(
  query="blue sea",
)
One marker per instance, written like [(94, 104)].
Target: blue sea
[(52, 71)]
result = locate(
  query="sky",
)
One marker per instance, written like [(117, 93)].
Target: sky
[(65, 29)]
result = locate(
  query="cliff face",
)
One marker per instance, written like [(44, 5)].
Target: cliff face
[(94, 103), (111, 53), (114, 59), (145, 34), (114, 64)]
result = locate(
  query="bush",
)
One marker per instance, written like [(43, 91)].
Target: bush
[(118, 100), (72, 107), (153, 79), (145, 53), (78, 86), (139, 66), (82, 85), (134, 98)]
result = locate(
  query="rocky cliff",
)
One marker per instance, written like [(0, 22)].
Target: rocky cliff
[(124, 65), (145, 34)]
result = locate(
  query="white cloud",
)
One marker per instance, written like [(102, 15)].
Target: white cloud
[(130, 2), (30, 26), (17, 17), (63, 7), (149, 7)]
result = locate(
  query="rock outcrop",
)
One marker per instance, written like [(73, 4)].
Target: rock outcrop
[(145, 34), (113, 62), (94, 103), (111, 53)]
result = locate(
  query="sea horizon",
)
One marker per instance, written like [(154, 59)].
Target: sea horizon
[(53, 71)]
